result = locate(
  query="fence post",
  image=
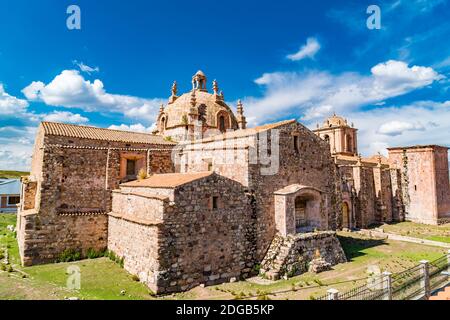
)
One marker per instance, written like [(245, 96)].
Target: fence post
[(448, 262), (333, 294), (425, 282), (387, 277)]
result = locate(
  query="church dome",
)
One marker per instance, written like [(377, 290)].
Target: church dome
[(208, 106), (197, 105), (335, 121)]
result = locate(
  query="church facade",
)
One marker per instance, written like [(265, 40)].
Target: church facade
[(204, 199)]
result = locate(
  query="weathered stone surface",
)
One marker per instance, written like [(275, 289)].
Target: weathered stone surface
[(294, 254)]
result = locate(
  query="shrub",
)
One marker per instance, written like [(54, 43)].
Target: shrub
[(69, 255), (93, 254)]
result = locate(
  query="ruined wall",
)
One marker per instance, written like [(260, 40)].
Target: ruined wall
[(292, 255)]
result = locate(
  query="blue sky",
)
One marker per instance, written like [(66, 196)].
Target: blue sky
[(284, 59)]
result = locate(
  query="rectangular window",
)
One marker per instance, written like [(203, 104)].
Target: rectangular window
[(215, 202), (13, 200), (131, 167), (210, 166)]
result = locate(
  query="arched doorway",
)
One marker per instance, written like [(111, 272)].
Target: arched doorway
[(305, 212), (298, 209), (345, 215), (300, 212)]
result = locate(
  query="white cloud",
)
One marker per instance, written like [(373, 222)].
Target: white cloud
[(85, 68), (308, 50), (395, 128), (69, 89), (315, 93), (138, 127), (10, 105), (16, 147), (65, 116)]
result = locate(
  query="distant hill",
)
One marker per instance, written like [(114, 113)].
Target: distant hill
[(4, 174)]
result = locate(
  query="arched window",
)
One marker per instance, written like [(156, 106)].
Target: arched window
[(222, 123), (163, 124), (327, 138)]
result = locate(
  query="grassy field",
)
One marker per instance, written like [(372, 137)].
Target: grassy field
[(104, 279), (4, 174), (436, 233)]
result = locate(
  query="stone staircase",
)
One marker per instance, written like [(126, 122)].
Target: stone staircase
[(443, 294), (293, 254), (274, 261)]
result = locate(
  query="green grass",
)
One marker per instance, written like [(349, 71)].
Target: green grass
[(430, 232), (5, 174), (102, 278)]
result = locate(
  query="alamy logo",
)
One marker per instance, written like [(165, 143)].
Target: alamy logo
[(74, 279), (73, 22), (374, 20)]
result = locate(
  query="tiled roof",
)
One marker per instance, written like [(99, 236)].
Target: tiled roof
[(86, 132), (167, 180), (246, 132)]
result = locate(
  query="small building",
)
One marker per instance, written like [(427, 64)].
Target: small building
[(9, 195)]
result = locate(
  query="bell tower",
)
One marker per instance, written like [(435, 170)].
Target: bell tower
[(341, 137), (199, 81)]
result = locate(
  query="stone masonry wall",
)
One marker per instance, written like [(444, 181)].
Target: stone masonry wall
[(75, 178), (291, 255), (311, 165), (191, 243), (200, 244)]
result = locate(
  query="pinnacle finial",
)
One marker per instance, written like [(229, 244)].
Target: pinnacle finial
[(215, 87), (240, 107), (174, 88), (161, 108)]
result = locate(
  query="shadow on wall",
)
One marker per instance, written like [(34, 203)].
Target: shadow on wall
[(353, 247)]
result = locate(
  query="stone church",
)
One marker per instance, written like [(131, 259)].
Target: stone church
[(204, 199)]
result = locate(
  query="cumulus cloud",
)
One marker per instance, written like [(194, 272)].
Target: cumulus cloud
[(10, 105), (395, 128), (69, 89), (138, 127), (308, 50), (313, 94), (65, 116), (391, 126)]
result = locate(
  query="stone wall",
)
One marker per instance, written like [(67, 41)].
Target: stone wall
[(190, 243), (74, 178), (311, 165), (292, 255), (43, 238), (425, 182)]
